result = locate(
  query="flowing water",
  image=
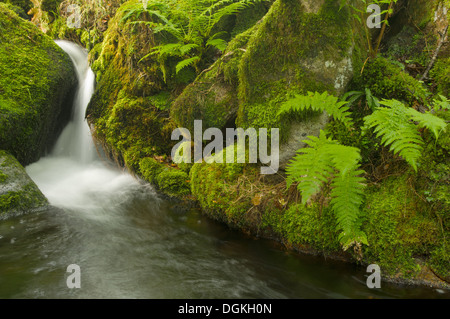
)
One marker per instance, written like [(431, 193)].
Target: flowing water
[(129, 243)]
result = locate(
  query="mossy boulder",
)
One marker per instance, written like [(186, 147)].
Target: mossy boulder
[(299, 46), (18, 193), (37, 87), (388, 80), (128, 107)]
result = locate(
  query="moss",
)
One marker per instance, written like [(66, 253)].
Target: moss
[(173, 182), (441, 76), (34, 92), (440, 259), (387, 80), (20, 7), (398, 231), (212, 185), (305, 226), (433, 185), (150, 169)]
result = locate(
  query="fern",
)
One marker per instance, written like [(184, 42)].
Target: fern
[(326, 159), (190, 23), (395, 125), (311, 167), (185, 63), (318, 102), (441, 104)]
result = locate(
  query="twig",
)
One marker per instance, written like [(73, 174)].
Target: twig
[(380, 37), (433, 59)]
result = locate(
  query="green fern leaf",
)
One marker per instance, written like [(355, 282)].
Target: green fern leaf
[(218, 44), (318, 102), (310, 167), (429, 121), (393, 125), (185, 49), (323, 160), (185, 63)]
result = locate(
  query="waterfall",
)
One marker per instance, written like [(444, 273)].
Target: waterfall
[(76, 141), (72, 176)]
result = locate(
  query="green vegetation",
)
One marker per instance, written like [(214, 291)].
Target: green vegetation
[(373, 176), (191, 24), (314, 166), (386, 10), (388, 81)]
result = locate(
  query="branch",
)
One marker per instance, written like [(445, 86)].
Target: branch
[(433, 59)]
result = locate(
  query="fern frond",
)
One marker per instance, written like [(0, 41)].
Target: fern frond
[(347, 197), (311, 166), (185, 63), (393, 125), (185, 49), (218, 44), (433, 123), (318, 102), (326, 159)]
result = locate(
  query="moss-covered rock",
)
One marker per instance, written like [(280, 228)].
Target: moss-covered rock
[(299, 46), (20, 7), (169, 180), (18, 193), (389, 81), (37, 87)]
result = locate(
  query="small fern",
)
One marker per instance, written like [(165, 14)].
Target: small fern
[(323, 160), (396, 126), (318, 102)]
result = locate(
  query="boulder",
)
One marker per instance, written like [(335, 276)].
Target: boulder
[(18, 193), (299, 46), (37, 86)]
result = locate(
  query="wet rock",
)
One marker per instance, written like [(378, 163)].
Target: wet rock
[(18, 193)]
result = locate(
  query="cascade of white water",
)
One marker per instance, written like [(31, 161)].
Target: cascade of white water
[(76, 141), (72, 176)]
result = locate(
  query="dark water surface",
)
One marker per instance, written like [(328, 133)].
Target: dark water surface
[(148, 248)]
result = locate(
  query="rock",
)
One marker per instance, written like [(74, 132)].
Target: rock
[(299, 46), (37, 86), (18, 193), (299, 132)]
